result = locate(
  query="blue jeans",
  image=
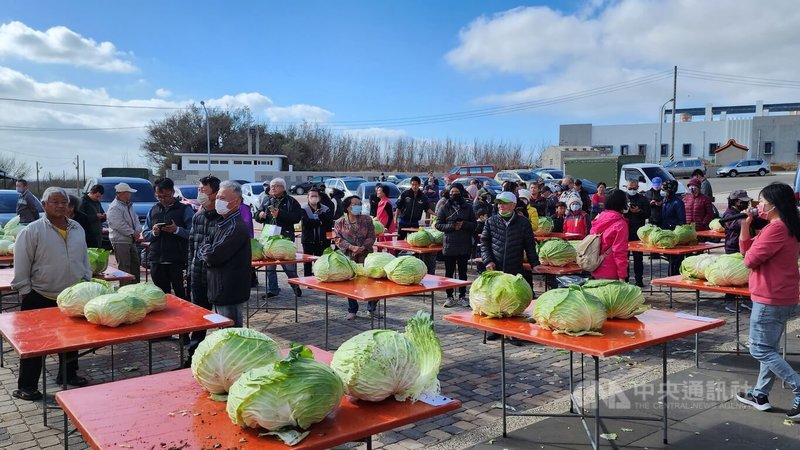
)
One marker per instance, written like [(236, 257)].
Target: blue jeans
[(767, 324), (272, 277), (233, 312)]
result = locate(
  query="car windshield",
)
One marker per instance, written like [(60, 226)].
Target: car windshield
[(8, 203), (257, 188), (352, 185), (527, 176), (670, 164), (189, 192), (653, 172), (144, 192)]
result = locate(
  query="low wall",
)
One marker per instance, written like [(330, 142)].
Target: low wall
[(292, 178)]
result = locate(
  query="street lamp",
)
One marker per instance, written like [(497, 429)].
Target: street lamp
[(208, 136), (661, 126)]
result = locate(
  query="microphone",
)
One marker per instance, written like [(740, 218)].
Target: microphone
[(752, 211)]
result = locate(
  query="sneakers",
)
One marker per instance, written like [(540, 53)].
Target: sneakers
[(760, 403), (463, 301), (746, 304), (451, 302), (493, 337), (732, 307), (297, 291), (794, 413), (351, 316)]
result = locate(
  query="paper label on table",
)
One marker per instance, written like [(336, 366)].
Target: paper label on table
[(438, 400), (698, 318), (215, 318)]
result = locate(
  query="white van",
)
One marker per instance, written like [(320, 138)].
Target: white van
[(645, 173)]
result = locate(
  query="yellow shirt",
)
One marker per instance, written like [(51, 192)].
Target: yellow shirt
[(63, 233)]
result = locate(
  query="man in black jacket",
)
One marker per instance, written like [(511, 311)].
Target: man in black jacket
[(284, 211), (637, 215), (654, 200), (317, 222), (227, 255), (91, 207), (410, 206)]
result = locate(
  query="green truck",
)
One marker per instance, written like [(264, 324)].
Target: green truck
[(616, 170)]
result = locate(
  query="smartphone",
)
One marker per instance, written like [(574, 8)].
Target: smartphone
[(159, 225)]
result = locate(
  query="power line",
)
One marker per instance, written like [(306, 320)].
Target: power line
[(16, 128), (96, 105)]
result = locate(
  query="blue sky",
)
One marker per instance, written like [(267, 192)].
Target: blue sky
[(344, 61)]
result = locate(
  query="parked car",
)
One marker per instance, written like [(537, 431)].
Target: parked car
[(494, 186), (365, 190), (550, 173), (406, 183), (744, 167), (396, 178), (588, 185), (474, 170), (187, 194), (143, 199), (8, 205), (305, 186), (517, 175), (684, 168), (251, 195), (348, 185)]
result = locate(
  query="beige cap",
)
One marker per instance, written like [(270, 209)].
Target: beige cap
[(124, 187)]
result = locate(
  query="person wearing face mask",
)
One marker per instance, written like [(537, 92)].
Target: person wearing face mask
[(354, 235), (227, 255), (699, 208), (91, 207), (576, 219), (26, 203), (317, 222), (410, 206), (457, 220), (738, 202), (673, 213), (381, 209), (771, 257), (284, 211), (637, 212), (599, 199), (612, 226), (705, 185), (530, 212), (655, 200)]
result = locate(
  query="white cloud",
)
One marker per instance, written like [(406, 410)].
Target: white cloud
[(294, 113), (252, 100), (163, 93), (60, 45), (376, 133), (605, 43)]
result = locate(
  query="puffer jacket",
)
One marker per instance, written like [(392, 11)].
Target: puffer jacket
[(733, 228), (699, 210), (673, 213), (613, 228), (503, 243), (289, 213), (456, 242)]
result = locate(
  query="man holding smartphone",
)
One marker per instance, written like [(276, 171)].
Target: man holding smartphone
[(637, 215), (282, 210)]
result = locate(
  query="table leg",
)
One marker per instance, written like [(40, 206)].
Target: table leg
[(295, 306), (697, 335), (737, 324), (2, 351), (432, 305), (326, 321), (503, 381), (651, 272), (63, 364), (112, 363), (670, 297), (369, 442), (664, 386), (384, 314), (150, 357), (571, 384), (247, 312), (180, 361), (44, 390), (596, 442)]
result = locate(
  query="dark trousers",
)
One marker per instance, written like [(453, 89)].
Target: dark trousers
[(169, 277), (401, 235), (675, 264), (352, 305), (199, 298), (451, 263), (30, 368), (313, 248), (638, 266)]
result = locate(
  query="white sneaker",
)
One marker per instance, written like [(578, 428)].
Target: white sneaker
[(463, 301), (451, 302)]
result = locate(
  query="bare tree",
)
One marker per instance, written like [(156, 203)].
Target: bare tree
[(12, 166)]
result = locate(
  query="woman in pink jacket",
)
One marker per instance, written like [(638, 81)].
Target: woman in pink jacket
[(613, 227), (775, 290)]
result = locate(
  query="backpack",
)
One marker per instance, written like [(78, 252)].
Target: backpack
[(589, 252)]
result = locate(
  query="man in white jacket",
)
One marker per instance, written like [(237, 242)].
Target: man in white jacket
[(124, 231)]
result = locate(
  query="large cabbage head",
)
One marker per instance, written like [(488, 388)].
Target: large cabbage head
[(498, 294), (113, 310), (377, 364), (622, 300), (663, 239), (556, 252), (152, 295), (296, 391), (98, 259), (728, 270), (686, 234), (406, 270), (438, 236), (644, 232), (546, 225), (420, 238), (6, 247), (715, 225), (334, 266), (375, 263), (570, 311), (13, 223), (379, 228), (694, 267), (226, 354), (256, 250), (73, 299), (276, 247)]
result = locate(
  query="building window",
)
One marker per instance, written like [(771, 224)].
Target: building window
[(223, 161), (194, 161), (642, 149), (214, 161), (247, 162), (769, 147), (604, 148), (623, 149), (687, 149), (712, 147), (664, 149), (237, 162)]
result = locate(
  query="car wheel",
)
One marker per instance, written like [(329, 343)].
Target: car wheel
[(299, 190), (733, 173), (761, 172)]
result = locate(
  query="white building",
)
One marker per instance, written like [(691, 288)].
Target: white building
[(238, 166)]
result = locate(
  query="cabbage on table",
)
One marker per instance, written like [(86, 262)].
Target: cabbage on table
[(694, 267), (644, 232), (438, 236), (152, 295), (686, 234), (715, 225), (546, 225), (622, 300), (498, 294), (663, 239), (728, 270), (13, 223), (113, 310), (375, 263), (556, 252), (571, 311), (333, 265), (276, 247), (98, 259), (256, 250), (406, 270), (6, 247), (379, 228), (73, 299), (226, 354), (377, 364), (420, 238)]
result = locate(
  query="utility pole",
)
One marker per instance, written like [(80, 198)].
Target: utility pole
[(78, 168), (84, 171), (38, 168), (674, 99)]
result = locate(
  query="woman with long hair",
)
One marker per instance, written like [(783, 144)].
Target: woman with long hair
[(774, 284), (383, 211), (354, 235), (456, 220)]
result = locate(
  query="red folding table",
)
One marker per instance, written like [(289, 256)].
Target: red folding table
[(299, 258)]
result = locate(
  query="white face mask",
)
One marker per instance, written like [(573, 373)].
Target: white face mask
[(202, 198), (222, 207)]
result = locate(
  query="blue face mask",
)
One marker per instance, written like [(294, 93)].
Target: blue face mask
[(356, 210), (575, 207)]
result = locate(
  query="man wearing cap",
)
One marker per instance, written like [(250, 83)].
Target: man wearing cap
[(738, 202), (124, 231), (699, 209), (654, 200)]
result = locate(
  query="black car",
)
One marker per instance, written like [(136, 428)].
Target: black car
[(305, 186)]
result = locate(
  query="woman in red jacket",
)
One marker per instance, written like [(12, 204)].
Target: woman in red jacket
[(699, 208), (613, 228), (775, 290), (576, 220)]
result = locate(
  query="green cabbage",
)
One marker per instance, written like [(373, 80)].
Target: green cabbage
[(663, 239), (406, 270), (256, 250), (622, 300), (103, 282), (644, 232), (546, 225), (728, 270), (6, 247), (296, 391), (498, 294), (686, 234), (377, 364), (113, 310), (13, 223), (556, 252), (334, 266), (98, 259), (716, 226), (72, 300), (420, 239), (276, 247), (570, 311), (379, 228), (152, 295), (375, 263), (438, 236), (11, 233), (694, 267), (226, 354)]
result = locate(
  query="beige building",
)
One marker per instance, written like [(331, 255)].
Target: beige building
[(730, 152), (553, 156)]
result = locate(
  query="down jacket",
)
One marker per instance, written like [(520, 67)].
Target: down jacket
[(503, 243), (699, 210), (456, 242), (613, 228)]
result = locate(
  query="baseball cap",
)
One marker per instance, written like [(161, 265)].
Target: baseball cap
[(656, 182), (124, 187), (739, 194), (694, 182), (506, 197), (524, 193)]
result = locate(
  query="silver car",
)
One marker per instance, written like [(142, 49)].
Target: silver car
[(744, 167), (684, 168)]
